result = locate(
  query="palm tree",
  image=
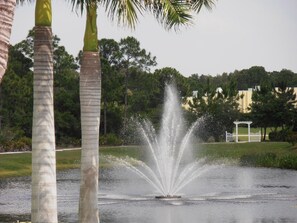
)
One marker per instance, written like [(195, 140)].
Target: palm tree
[(90, 96), (44, 190), (170, 14), (6, 18)]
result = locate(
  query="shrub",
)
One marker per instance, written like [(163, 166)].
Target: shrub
[(110, 139), (280, 136), (68, 142), (292, 138), (21, 144)]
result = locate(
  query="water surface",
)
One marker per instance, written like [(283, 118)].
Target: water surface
[(226, 194)]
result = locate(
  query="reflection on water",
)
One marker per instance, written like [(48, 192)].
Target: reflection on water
[(229, 194)]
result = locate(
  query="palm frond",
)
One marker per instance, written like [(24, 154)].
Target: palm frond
[(125, 11), (198, 4), (171, 13), (81, 4), (22, 1)]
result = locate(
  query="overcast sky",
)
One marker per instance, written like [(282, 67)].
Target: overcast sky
[(236, 34)]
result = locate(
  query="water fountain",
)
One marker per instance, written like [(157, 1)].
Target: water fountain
[(170, 169), (229, 194)]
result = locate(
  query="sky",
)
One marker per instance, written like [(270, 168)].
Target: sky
[(234, 35)]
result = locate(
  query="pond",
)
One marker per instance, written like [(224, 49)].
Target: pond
[(224, 194)]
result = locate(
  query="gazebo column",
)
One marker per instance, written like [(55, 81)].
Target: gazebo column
[(236, 138), (249, 131)]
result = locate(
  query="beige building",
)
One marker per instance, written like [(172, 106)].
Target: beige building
[(245, 99)]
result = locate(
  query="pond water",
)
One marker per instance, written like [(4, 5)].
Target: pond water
[(224, 194)]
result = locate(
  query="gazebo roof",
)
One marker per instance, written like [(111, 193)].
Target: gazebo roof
[(243, 122)]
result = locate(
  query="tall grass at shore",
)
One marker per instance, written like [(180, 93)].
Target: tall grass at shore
[(266, 154)]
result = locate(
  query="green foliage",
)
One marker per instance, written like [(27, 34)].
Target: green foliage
[(284, 75), (169, 75), (16, 93), (292, 137), (274, 108), (18, 144), (218, 109), (129, 89), (279, 136), (66, 104), (110, 139)]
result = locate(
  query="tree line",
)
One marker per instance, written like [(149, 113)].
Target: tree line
[(130, 88)]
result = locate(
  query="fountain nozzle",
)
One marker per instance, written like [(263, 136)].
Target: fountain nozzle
[(168, 196)]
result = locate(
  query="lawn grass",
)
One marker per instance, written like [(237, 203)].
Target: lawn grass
[(19, 164), (265, 154), (12, 165), (237, 150)]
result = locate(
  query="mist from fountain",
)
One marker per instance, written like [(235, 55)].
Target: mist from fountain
[(170, 169)]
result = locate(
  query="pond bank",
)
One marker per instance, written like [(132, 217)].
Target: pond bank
[(265, 154)]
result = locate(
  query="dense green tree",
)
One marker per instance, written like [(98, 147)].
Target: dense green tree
[(111, 79), (262, 109), (284, 75), (249, 78), (16, 104), (283, 106), (274, 107), (171, 75), (132, 57), (143, 97), (217, 108), (67, 112), (66, 106)]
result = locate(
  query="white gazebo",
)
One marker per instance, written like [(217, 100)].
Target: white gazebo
[(252, 137)]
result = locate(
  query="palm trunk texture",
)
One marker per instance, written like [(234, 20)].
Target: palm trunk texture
[(90, 95), (44, 189), (6, 18)]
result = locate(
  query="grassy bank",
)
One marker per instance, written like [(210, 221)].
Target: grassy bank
[(265, 154), (268, 154), (19, 164)]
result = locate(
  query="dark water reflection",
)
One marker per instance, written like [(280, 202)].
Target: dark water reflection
[(229, 194)]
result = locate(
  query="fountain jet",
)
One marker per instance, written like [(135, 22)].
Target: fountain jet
[(170, 171)]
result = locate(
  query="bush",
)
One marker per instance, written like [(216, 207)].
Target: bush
[(292, 138), (280, 136), (68, 142), (21, 144), (110, 139)]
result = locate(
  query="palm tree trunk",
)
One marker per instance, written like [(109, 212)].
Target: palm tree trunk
[(6, 18), (44, 190), (105, 116), (90, 98), (90, 95)]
